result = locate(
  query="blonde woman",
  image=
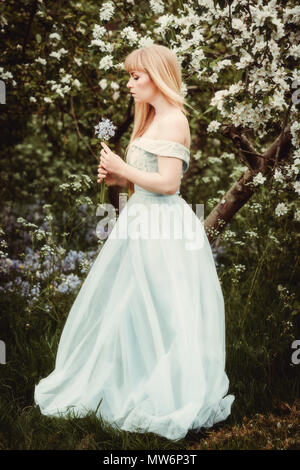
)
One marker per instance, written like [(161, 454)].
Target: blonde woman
[(144, 342)]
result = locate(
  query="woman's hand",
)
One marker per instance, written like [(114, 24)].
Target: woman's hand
[(102, 173), (110, 161), (110, 179)]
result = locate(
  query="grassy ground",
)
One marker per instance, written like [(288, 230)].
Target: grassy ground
[(27, 429), (270, 431)]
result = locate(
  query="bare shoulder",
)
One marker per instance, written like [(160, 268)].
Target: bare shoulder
[(175, 126)]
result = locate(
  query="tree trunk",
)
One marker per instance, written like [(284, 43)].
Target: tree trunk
[(241, 192)]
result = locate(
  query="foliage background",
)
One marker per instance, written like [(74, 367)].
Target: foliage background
[(49, 194)]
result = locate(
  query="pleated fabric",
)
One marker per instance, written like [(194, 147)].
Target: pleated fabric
[(144, 342)]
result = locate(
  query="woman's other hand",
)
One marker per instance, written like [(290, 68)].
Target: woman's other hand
[(110, 178), (110, 161)]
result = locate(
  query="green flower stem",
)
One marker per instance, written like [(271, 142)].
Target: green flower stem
[(102, 193)]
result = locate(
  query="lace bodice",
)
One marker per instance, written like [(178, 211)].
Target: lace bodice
[(143, 153)]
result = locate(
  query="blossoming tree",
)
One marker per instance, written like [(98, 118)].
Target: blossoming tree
[(239, 61)]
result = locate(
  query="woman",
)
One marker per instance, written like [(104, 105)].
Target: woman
[(144, 342)]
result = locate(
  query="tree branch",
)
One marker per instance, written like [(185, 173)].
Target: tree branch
[(240, 193)]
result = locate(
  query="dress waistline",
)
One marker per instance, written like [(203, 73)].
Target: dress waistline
[(143, 192)]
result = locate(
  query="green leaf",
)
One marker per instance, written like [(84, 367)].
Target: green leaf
[(210, 108)]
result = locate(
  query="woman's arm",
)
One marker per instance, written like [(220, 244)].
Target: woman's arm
[(160, 182), (165, 181)]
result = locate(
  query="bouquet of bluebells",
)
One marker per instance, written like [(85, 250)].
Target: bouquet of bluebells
[(104, 130)]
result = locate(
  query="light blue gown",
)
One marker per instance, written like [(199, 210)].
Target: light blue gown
[(144, 342)]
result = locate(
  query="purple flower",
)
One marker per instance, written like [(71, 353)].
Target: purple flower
[(105, 129)]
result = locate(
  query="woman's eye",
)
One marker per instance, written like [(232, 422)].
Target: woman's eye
[(135, 78)]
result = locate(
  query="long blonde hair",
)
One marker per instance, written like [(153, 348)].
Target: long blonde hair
[(164, 69)]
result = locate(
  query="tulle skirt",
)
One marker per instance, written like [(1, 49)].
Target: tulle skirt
[(144, 342)]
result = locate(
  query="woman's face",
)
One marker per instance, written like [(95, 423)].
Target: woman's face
[(142, 87)]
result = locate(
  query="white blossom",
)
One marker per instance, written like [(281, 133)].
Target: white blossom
[(5, 75), (130, 35), (98, 31), (146, 41), (58, 54), (295, 128), (76, 83), (278, 176), (54, 36), (80, 29), (220, 65), (296, 155), (102, 45), (294, 51), (245, 60), (106, 11), (184, 89), (41, 60), (66, 78), (218, 99), (251, 234), (259, 179), (255, 207), (291, 170), (78, 61), (228, 234), (114, 85), (213, 78), (239, 268), (235, 88), (106, 62), (157, 6), (198, 56), (297, 186), (213, 126), (238, 24), (3, 21), (103, 83), (59, 88), (278, 100), (281, 209)]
